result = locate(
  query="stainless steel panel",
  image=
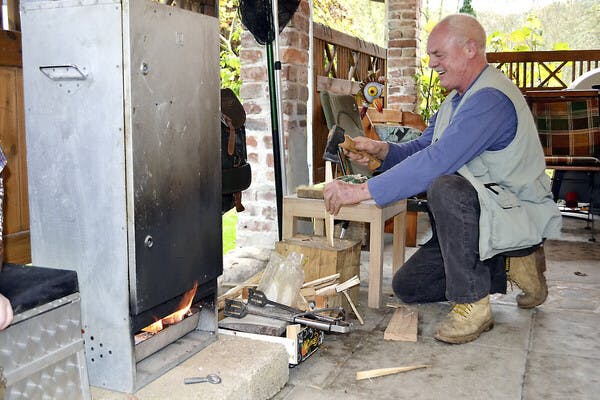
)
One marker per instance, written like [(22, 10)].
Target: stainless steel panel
[(76, 167), (118, 153), (175, 140)]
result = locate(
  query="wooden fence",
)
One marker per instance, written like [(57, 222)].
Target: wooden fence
[(542, 70)]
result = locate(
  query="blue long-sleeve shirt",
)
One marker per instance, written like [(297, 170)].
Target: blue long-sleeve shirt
[(487, 121)]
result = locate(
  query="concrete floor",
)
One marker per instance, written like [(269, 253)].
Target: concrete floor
[(552, 352)]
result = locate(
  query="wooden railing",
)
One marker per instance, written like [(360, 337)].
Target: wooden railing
[(542, 70), (341, 56), (338, 55)]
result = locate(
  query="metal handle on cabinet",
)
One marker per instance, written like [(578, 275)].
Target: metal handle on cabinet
[(63, 72)]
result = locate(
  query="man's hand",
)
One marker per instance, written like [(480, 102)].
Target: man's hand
[(376, 148), (338, 194), (6, 312)]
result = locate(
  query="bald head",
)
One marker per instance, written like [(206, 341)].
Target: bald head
[(463, 27), (456, 49)]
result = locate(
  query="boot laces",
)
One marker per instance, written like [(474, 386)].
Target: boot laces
[(462, 309)]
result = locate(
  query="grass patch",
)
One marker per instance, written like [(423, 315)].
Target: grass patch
[(229, 230)]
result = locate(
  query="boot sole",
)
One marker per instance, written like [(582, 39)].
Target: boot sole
[(467, 338)]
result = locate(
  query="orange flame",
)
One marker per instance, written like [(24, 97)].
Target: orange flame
[(184, 306)]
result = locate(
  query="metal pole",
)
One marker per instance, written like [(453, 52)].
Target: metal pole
[(277, 65), (275, 135)]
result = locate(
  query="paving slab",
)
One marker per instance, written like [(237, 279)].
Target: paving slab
[(559, 377), (567, 332), (249, 370)]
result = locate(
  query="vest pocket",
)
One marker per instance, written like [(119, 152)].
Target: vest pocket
[(503, 197), (538, 190), (512, 228)]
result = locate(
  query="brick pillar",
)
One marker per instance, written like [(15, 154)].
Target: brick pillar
[(257, 226), (403, 22)]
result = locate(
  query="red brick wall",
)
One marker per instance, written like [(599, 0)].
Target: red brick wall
[(403, 22), (258, 224)]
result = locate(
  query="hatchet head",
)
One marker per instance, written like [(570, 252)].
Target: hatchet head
[(334, 138)]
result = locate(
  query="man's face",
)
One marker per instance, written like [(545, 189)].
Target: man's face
[(449, 59)]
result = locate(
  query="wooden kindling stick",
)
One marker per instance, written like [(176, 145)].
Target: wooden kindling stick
[(328, 217), (343, 287), (374, 373)]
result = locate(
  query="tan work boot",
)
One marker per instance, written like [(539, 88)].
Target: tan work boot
[(528, 274), (465, 322)]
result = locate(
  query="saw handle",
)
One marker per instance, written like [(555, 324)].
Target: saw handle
[(348, 145)]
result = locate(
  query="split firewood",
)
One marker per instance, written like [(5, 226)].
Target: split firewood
[(348, 284), (323, 280), (358, 316), (308, 292), (327, 290), (374, 373), (237, 290), (329, 220)]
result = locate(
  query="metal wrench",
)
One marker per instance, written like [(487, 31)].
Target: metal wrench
[(210, 378), (258, 298)]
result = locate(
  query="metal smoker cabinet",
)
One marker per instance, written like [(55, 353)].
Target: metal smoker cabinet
[(123, 151)]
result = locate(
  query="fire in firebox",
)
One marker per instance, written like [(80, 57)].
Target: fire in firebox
[(177, 316)]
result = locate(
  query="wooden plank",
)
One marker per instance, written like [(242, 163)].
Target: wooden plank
[(14, 17), (403, 325), (17, 248), (386, 116), (542, 56), (329, 35), (411, 228), (374, 373), (337, 86), (10, 49), (310, 191)]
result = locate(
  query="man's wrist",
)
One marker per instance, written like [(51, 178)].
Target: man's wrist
[(384, 148)]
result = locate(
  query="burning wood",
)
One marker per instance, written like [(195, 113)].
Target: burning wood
[(184, 306)]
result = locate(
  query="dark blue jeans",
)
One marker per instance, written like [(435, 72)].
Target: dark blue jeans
[(448, 267)]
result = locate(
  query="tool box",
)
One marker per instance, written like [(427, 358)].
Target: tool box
[(42, 349)]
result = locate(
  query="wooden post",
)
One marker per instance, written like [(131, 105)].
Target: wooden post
[(14, 18)]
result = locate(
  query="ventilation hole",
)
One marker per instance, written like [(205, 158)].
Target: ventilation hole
[(91, 338), (100, 344), (91, 348), (93, 360), (110, 352)]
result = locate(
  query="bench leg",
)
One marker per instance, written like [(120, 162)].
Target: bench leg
[(411, 228), (398, 244), (375, 263)]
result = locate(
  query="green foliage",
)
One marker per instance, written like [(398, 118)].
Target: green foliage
[(467, 8), (364, 19), (230, 32), (526, 38), (229, 230), (430, 93)]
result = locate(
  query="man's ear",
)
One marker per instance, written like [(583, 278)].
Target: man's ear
[(471, 48)]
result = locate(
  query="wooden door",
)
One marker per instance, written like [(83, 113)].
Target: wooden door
[(15, 205)]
